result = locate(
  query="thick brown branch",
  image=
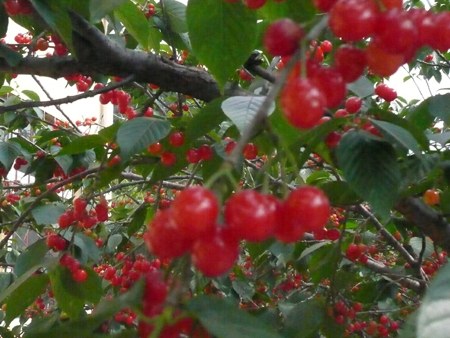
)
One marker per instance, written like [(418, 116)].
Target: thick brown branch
[(426, 219)]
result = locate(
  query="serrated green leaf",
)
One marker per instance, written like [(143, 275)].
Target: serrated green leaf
[(48, 213), (8, 153), (134, 21), (175, 12), (212, 311), (25, 295), (135, 135), (34, 255), (370, 167), (99, 8), (439, 106), (399, 135), (81, 144), (241, 110), (226, 46)]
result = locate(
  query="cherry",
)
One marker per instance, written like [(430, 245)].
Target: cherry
[(79, 208), (214, 255), (164, 238), (42, 44), (244, 75), (282, 37), (382, 63), (353, 252), (66, 219), (205, 152), (332, 140), (353, 104), (324, 5), (350, 61), (56, 242), (254, 4), (193, 155), (431, 197), (250, 151), (353, 20), (148, 112), (390, 4), (326, 46), (101, 210), (176, 139), (195, 211), (155, 148), (168, 158), (251, 215), (306, 209), (385, 92), (303, 103), (79, 275), (332, 85), (115, 160)]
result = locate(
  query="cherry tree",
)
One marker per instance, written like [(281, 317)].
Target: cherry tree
[(261, 178)]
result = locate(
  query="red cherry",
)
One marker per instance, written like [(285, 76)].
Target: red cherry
[(244, 75), (101, 211), (155, 148), (332, 85), (353, 20), (251, 215), (205, 152), (303, 103), (353, 104), (332, 140), (353, 252), (195, 211), (326, 46), (192, 155), (254, 4), (79, 275), (56, 242), (350, 61), (176, 139), (168, 159), (250, 151), (148, 112), (385, 92), (164, 238), (155, 293), (66, 219), (382, 63), (115, 160), (306, 209), (282, 37), (213, 255), (324, 5)]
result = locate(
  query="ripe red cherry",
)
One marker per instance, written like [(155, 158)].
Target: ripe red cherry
[(56, 242), (155, 148), (324, 5), (382, 63), (353, 252), (303, 103), (306, 209), (326, 46), (214, 255), (332, 85), (115, 160), (101, 210), (195, 210), (250, 151), (79, 275), (251, 216), (353, 20), (390, 4), (168, 158), (353, 104), (431, 197), (254, 4), (350, 61), (164, 238), (282, 37), (205, 152), (176, 139), (385, 92), (192, 155), (66, 219)]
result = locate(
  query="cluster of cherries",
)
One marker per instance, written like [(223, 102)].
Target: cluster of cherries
[(395, 36), (84, 218), (190, 224)]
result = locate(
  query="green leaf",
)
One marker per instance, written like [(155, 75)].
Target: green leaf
[(25, 295), (48, 213), (434, 314), (399, 135), (33, 256), (416, 244), (72, 296), (229, 42), (81, 144), (8, 153), (65, 162), (309, 250), (3, 21), (362, 87), (11, 57), (87, 245), (370, 167), (135, 135), (224, 319), (114, 241), (339, 193), (31, 94), (134, 21), (312, 314), (99, 8), (209, 117), (176, 14), (241, 110), (439, 106)]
